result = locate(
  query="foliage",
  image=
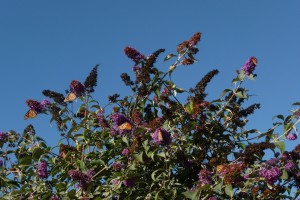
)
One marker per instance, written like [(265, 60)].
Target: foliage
[(152, 146)]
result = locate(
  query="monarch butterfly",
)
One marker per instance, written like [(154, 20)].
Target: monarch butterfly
[(125, 126), (160, 136), (30, 114), (70, 97)]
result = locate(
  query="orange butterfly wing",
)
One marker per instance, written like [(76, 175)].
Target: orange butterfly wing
[(70, 97), (220, 168), (125, 126), (30, 114), (160, 136)]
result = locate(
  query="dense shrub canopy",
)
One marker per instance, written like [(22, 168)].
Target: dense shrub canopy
[(149, 145)]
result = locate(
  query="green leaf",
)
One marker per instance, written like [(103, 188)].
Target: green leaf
[(193, 195), (288, 127), (179, 90), (224, 92), (279, 117), (82, 166), (124, 139), (168, 57), (37, 152), (241, 95), (162, 154), (280, 145), (72, 194), (229, 190), (190, 107), (285, 175), (296, 104), (138, 157), (98, 162), (218, 187), (154, 173), (25, 160), (47, 196)]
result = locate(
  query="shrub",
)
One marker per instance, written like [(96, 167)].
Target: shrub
[(151, 145)]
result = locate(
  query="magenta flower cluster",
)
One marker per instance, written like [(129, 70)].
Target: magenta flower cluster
[(125, 152), (102, 121), (290, 166), (117, 166), (37, 106), (118, 119), (133, 54), (271, 175), (77, 88), (272, 161), (205, 177), (291, 136), (161, 137), (249, 66), (83, 178), (3, 136), (45, 104), (129, 182), (54, 197), (42, 170)]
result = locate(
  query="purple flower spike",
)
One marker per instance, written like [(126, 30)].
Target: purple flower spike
[(82, 178), (161, 136), (136, 68), (119, 119), (102, 121), (54, 197), (117, 166), (129, 183), (212, 198), (272, 161), (77, 88), (271, 175), (3, 136), (34, 105), (205, 177), (42, 170), (125, 152), (249, 66), (45, 104), (133, 54), (291, 136), (1, 163), (290, 166), (115, 181)]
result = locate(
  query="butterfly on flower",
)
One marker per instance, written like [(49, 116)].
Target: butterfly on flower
[(160, 136), (254, 60), (220, 168), (35, 107), (125, 126), (30, 114), (71, 97)]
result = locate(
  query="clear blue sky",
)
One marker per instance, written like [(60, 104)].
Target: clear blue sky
[(46, 44)]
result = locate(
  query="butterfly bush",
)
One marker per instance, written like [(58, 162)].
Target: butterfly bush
[(160, 141)]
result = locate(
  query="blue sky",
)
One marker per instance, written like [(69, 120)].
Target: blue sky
[(46, 44)]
